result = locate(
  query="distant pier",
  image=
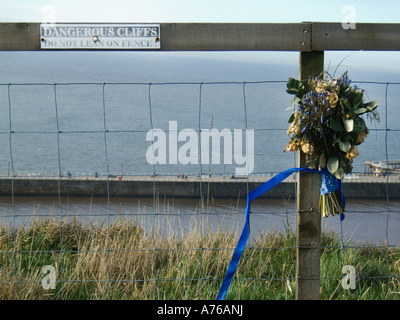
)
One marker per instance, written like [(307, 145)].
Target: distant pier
[(353, 186), (382, 167)]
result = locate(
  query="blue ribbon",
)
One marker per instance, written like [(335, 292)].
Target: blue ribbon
[(328, 182)]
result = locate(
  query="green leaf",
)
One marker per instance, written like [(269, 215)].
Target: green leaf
[(349, 125), (359, 125), (345, 146), (371, 106), (335, 125), (339, 173), (344, 90), (358, 99), (360, 110), (291, 82), (333, 164), (291, 118), (292, 91), (295, 86), (348, 105)]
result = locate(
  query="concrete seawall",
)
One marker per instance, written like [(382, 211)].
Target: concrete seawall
[(217, 187)]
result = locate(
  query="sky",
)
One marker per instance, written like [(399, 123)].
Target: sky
[(264, 11)]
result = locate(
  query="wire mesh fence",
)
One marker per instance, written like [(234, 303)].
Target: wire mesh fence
[(162, 246)]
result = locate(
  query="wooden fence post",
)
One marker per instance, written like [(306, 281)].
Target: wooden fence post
[(308, 218)]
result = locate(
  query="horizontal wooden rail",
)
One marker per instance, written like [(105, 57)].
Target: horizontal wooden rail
[(236, 37), (303, 37), (366, 36), (190, 36)]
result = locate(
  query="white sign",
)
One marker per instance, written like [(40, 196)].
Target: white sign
[(99, 36)]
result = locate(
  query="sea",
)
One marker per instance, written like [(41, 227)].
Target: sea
[(84, 113)]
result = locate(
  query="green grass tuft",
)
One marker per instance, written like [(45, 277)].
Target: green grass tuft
[(122, 261)]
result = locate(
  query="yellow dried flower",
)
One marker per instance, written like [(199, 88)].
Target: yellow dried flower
[(361, 137), (307, 147), (294, 128), (333, 99), (321, 86), (292, 146), (353, 152)]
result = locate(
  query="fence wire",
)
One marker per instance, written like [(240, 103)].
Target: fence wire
[(152, 109)]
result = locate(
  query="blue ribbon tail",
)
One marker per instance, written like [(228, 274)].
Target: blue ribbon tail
[(236, 256), (246, 229)]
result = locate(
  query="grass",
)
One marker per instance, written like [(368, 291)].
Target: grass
[(118, 261)]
